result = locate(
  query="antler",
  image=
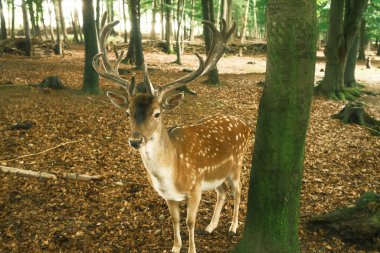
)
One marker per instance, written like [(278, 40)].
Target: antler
[(106, 69), (218, 44)]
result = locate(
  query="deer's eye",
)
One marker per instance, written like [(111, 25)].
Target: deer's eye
[(157, 115)]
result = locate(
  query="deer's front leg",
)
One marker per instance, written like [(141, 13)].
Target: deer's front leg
[(174, 214), (192, 208)]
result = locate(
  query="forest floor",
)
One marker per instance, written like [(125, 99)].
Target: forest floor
[(122, 212)]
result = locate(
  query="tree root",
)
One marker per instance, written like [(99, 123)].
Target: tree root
[(353, 113), (359, 224), (350, 94)]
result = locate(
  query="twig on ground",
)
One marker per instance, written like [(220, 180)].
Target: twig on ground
[(42, 152), (81, 177), (27, 173)]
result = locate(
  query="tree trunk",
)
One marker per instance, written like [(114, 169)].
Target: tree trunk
[(341, 36), (97, 21), (58, 47), (255, 27), (245, 21), (32, 19), (349, 73), (79, 28), (378, 51), (154, 13), (2, 23), (75, 29), (125, 21), (50, 22), (169, 27), (28, 42), (271, 223), (192, 22), (41, 10), (162, 20), (90, 76), (363, 39), (208, 14), (135, 52), (13, 34), (62, 20), (180, 11)]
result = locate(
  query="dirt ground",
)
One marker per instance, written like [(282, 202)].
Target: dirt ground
[(122, 212)]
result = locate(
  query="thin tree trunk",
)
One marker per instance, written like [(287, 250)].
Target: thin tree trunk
[(125, 21), (154, 12), (2, 22), (40, 9), (180, 7), (79, 28), (255, 26), (208, 14), (349, 73), (62, 20), (13, 34), (245, 21), (271, 223), (169, 25), (28, 42), (192, 22), (97, 21), (362, 39), (162, 15), (90, 76), (32, 19), (73, 23), (50, 21), (58, 48)]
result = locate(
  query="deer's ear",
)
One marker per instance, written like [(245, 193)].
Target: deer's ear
[(173, 101), (118, 100)]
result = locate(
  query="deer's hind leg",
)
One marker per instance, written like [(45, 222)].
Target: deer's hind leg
[(235, 184), (221, 192)]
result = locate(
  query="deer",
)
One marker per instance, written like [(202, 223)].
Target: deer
[(182, 162)]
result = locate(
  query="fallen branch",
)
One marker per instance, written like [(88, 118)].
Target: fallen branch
[(42, 152), (81, 177), (27, 173)]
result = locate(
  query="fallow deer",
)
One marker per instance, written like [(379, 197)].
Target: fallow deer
[(183, 161)]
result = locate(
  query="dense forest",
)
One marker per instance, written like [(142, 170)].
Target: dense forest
[(183, 125)]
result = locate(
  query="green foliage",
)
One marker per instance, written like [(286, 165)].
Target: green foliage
[(372, 15)]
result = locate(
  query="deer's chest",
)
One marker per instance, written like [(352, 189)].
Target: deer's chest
[(162, 178)]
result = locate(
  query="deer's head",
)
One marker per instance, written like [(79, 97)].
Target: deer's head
[(145, 109)]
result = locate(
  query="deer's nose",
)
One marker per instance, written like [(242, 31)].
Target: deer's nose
[(136, 140)]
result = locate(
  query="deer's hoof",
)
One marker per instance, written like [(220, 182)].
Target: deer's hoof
[(210, 228), (176, 249), (233, 229)]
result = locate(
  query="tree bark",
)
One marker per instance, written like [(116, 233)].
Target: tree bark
[(13, 35), (32, 18), (2, 23), (180, 7), (362, 39), (192, 22), (58, 47), (271, 223), (40, 10), (28, 42), (349, 72), (154, 12), (125, 21), (245, 21), (169, 27), (135, 52), (90, 76), (97, 21), (50, 22), (341, 36), (75, 29), (62, 20), (255, 26), (208, 14)]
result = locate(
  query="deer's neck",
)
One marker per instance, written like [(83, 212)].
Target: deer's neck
[(158, 154)]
